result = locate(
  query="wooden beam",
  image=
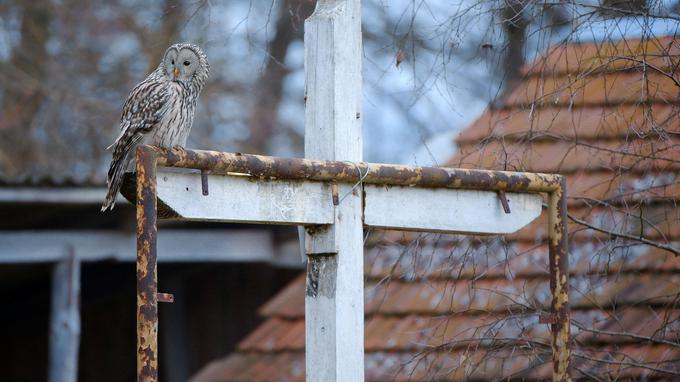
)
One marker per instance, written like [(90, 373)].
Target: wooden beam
[(446, 210), (334, 301), (174, 245), (243, 199), (56, 195), (64, 333)]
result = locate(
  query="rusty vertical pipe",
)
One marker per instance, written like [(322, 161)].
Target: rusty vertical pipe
[(559, 282), (147, 300)]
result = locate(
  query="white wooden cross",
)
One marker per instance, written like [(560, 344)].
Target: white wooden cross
[(336, 214)]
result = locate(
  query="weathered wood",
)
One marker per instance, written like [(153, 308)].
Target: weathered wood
[(174, 245), (334, 314), (55, 195), (245, 199), (64, 334), (445, 210)]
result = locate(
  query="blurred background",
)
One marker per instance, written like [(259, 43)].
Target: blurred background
[(430, 67)]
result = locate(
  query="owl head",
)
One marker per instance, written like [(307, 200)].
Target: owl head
[(185, 63)]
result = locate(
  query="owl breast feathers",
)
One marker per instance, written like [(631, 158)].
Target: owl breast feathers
[(159, 111)]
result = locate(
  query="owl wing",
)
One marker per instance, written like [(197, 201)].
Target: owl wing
[(145, 104), (143, 109)]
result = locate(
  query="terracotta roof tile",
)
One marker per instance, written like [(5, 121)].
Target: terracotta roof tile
[(585, 123), (623, 290), (634, 155), (275, 335), (254, 367), (437, 297), (598, 90), (587, 57), (656, 221), (384, 333), (587, 188), (290, 302), (636, 361), (509, 259), (621, 326), (454, 366)]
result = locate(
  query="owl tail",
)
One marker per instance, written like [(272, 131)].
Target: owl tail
[(114, 179)]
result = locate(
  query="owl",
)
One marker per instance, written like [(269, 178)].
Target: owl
[(159, 111)]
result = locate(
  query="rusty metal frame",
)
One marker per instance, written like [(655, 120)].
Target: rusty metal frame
[(149, 158)]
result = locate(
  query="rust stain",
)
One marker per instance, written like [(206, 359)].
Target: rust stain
[(149, 369), (147, 310)]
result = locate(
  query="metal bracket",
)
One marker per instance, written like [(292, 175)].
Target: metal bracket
[(504, 201), (165, 297), (334, 193), (204, 182)]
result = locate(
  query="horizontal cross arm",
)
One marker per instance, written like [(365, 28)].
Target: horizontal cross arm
[(247, 199)]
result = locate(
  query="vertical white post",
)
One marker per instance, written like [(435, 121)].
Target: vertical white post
[(64, 333), (334, 302)]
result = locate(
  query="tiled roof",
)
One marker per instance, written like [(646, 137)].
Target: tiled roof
[(442, 307)]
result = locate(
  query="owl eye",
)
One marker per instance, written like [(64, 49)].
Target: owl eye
[(186, 63), (172, 62)]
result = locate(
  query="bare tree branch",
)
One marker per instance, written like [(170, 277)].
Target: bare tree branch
[(640, 239)]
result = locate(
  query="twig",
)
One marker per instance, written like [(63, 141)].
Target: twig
[(626, 363), (625, 334), (640, 239), (651, 66)]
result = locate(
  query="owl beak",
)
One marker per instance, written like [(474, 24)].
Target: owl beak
[(175, 72)]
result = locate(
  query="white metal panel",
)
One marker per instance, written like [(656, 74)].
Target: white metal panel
[(447, 210), (244, 199)]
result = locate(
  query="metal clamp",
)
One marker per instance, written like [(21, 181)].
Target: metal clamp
[(334, 193), (165, 297), (504, 201), (204, 182)]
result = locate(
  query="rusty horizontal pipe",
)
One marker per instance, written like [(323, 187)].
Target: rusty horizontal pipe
[(351, 172)]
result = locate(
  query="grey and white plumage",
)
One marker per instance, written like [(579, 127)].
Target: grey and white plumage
[(159, 111)]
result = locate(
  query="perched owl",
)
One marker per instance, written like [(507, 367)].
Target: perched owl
[(159, 111)]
